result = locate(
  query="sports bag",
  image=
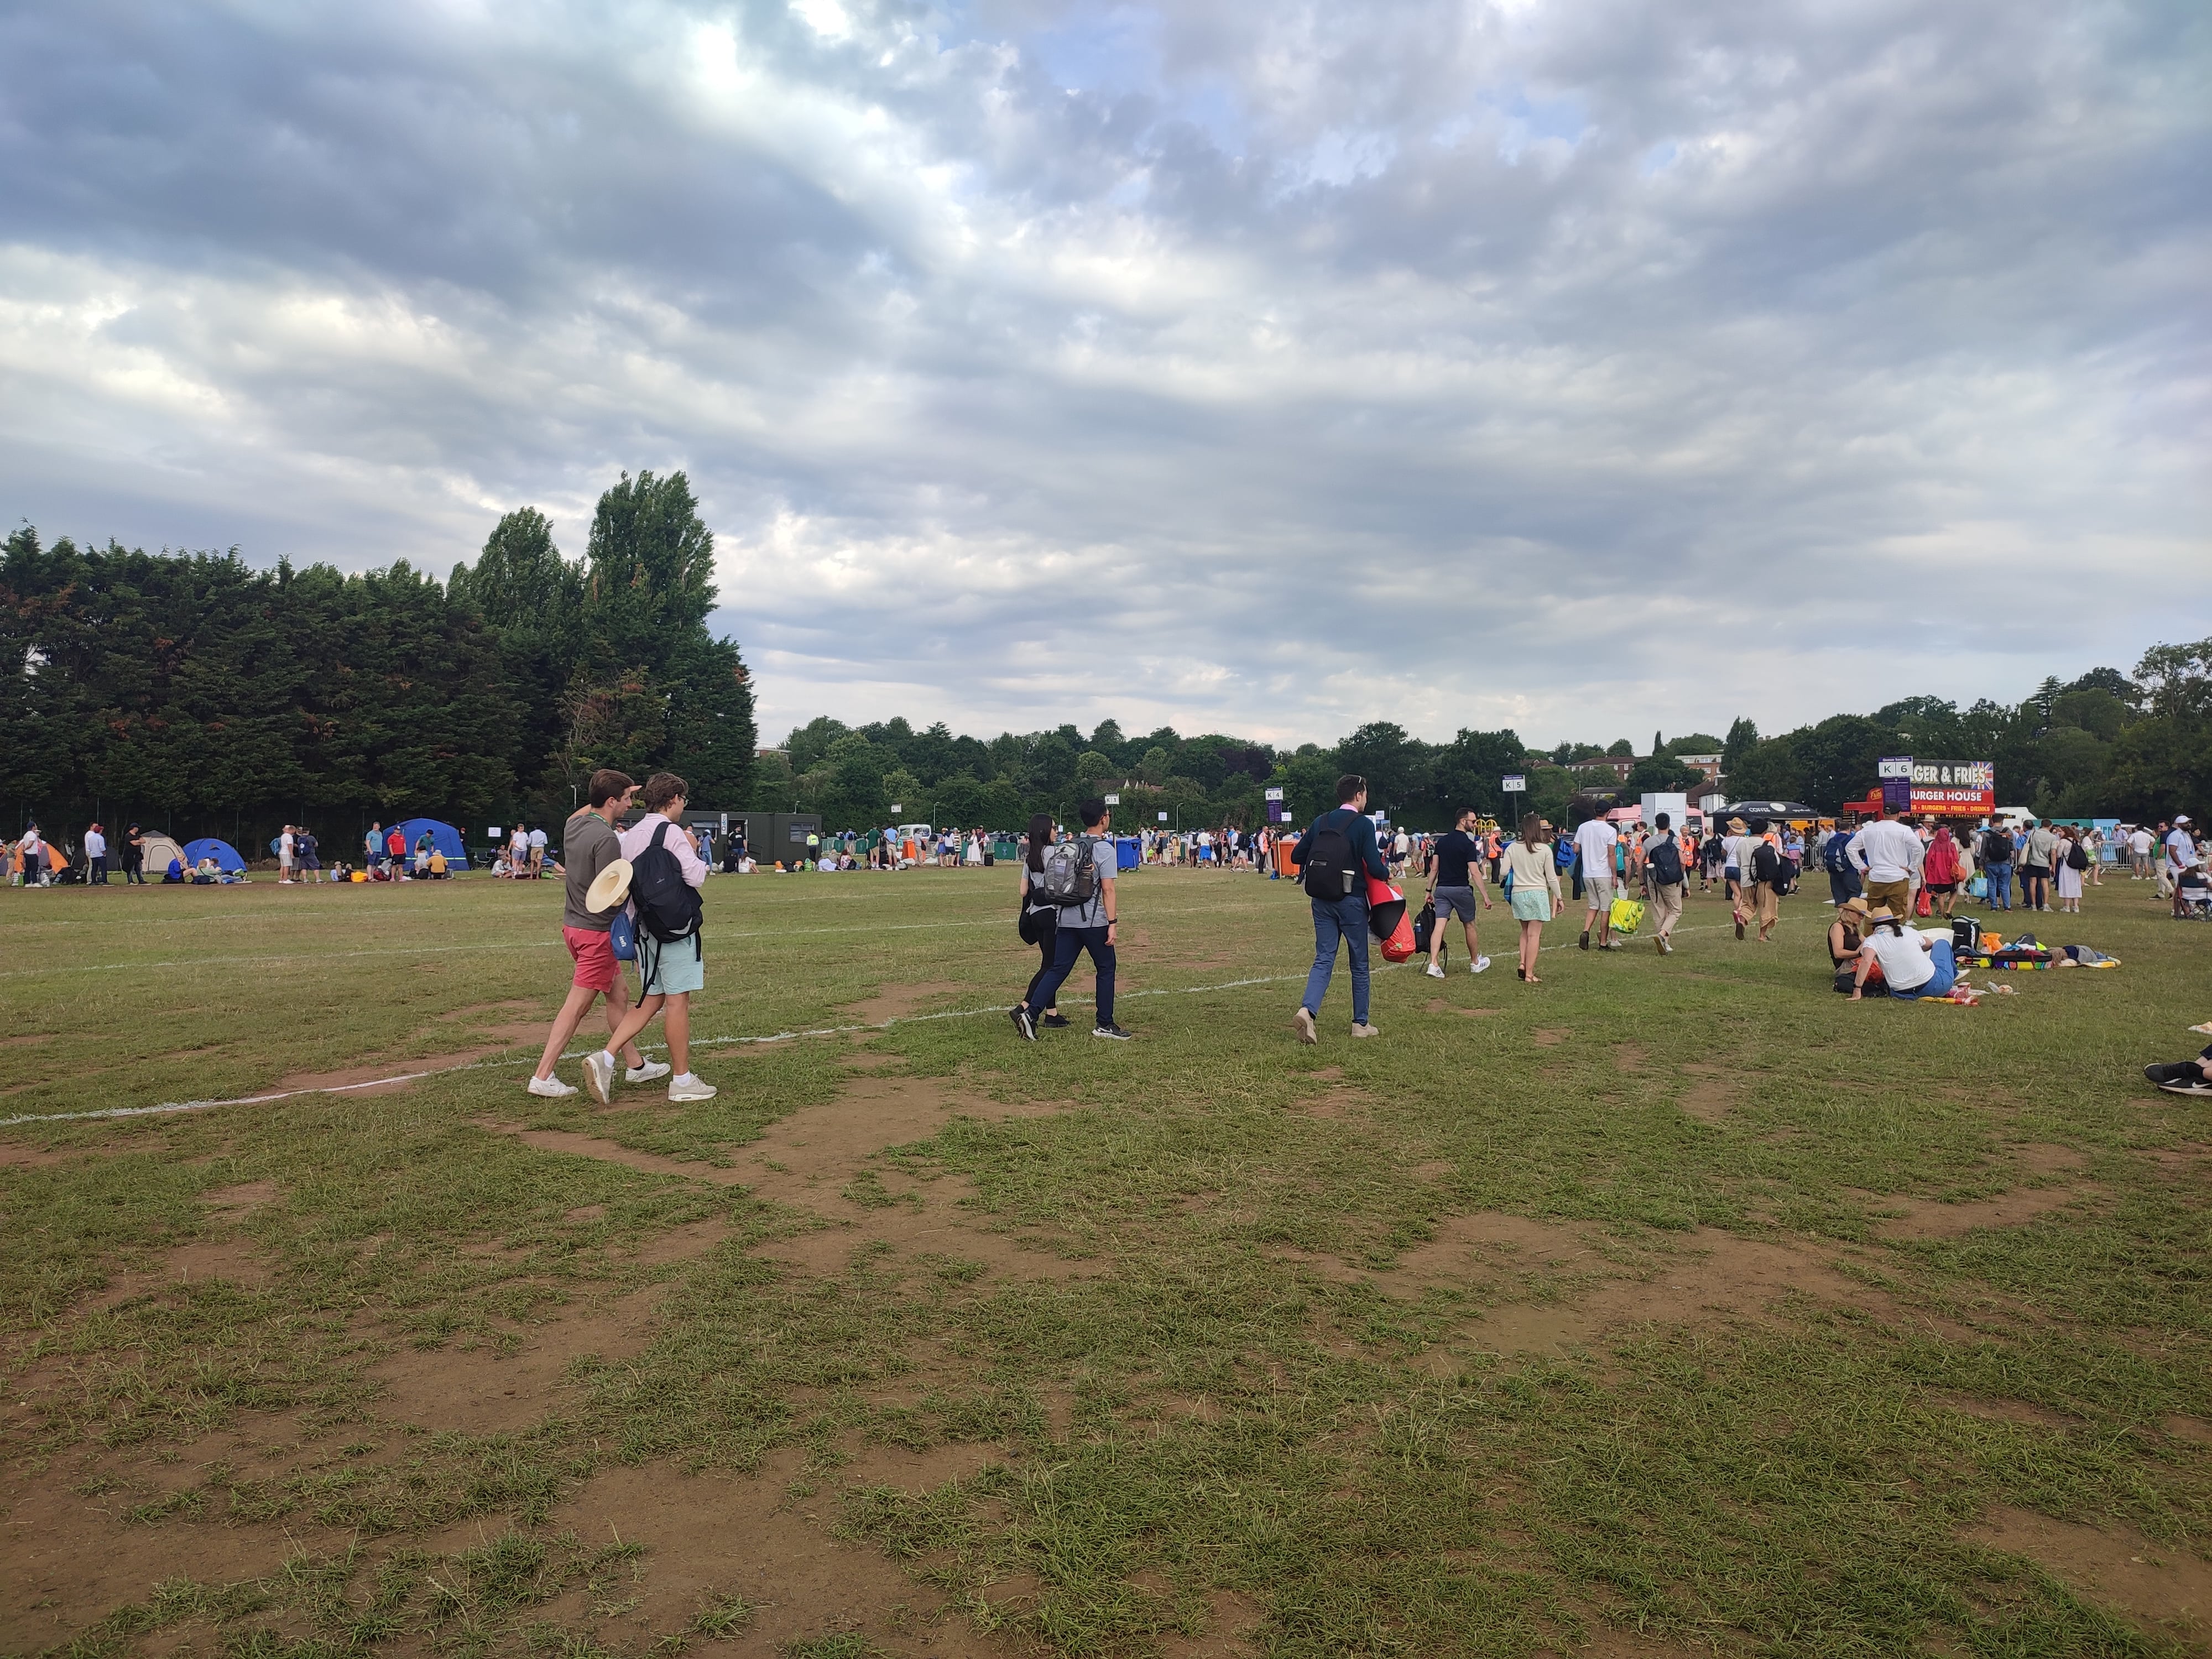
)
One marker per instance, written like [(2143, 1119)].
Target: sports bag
[(667, 905), (1327, 863), (1627, 915), (1070, 875), (1665, 859), (1387, 917), (1424, 928)]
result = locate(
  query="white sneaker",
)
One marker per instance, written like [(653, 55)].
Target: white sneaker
[(1436, 970), (646, 1073), (1304, 1023), (1365, 1031), (600, 1076), (551, 1087), (1481, 965), (689, 1087)]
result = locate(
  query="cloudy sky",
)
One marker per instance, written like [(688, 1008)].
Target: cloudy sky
[(1584, 367)]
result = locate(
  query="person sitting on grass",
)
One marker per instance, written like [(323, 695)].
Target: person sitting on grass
[(1913, 964), (207, 872), (2184, 1076), (2192, 894)]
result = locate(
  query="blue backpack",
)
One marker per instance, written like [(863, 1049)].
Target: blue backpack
[(1833, 857)]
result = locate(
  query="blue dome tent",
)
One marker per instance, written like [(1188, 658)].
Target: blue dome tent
[(226, 855), (443, 836)]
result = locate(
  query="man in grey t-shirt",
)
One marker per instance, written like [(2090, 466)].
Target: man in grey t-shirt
[(588, 845), (1089, 927)]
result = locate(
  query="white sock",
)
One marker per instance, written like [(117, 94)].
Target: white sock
[(685, 1077)]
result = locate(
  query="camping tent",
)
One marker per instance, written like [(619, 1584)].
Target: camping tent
[(443, 836), (55, 861), (159, 849), (226, 855)]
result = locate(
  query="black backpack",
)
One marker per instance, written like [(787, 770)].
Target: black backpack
[(1329, 864), (2077, 856), (1665, 859), (1766, 865), (667, 905), (1996, 847)]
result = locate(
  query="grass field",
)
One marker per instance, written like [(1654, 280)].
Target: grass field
[(1671, 1305)]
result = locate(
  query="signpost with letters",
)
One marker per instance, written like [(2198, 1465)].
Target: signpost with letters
[(1277, 810)]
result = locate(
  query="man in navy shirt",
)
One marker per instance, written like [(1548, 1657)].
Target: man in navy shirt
[(1340, 915), (1454, 888)]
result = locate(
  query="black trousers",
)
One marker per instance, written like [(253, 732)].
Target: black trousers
[(98, 873), (1048, 944)]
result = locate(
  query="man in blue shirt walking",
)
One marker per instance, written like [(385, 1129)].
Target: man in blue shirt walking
[(1335, 857)]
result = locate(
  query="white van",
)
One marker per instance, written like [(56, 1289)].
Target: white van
[(919, 834)]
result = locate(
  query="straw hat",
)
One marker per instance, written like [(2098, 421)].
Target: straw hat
[(1883, 913), (1855, 902), (609, 888)]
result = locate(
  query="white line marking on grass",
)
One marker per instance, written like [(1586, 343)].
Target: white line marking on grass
[(555, 943), (701, 1042)]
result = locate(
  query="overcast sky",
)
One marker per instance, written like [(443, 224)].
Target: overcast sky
[(1586, 368)]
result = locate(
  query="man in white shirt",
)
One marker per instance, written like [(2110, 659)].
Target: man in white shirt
[(1888, 855), (34, 852), (95, 858), (2180, 854), (285, 846), (538, 851), (2140, 845), (1594, 844)]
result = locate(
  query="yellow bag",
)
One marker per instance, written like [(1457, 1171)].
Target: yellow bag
[(1626, 914)]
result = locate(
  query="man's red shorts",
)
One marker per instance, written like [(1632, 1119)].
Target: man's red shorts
[(593, 948)]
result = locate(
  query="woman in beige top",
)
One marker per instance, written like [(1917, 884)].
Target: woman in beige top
[(1533, 875)]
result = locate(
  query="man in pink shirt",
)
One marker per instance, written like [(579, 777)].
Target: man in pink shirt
[(672, 969)]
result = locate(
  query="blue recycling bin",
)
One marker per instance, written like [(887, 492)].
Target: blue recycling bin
[(1128, 852)]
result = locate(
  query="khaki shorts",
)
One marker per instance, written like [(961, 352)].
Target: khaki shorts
[(1897, 895)]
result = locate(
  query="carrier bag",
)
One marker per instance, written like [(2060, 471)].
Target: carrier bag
[(1627, 915)]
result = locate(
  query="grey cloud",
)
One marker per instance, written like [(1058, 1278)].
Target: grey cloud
[(1466, 361)]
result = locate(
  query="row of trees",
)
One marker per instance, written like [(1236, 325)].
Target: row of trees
[(2106, 744), (188, 689)]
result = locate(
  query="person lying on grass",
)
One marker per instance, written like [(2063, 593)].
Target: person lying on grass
[(2184, 1076)]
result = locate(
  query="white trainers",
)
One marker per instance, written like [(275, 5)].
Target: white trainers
[(652, 1070), (1436, 970), (600, 1076), (1479, 965), (690, 1087), (1365, 1031), (551, 1087), (1304, 1023)]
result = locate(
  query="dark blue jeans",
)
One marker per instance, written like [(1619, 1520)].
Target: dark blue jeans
[(1071, 943), (2000, 880), (1844, 886), (1342, 919)]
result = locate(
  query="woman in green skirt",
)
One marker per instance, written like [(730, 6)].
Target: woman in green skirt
[(1533, 878)]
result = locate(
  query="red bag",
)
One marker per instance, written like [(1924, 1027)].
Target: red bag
[(1386, 915), (1923, 908)]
